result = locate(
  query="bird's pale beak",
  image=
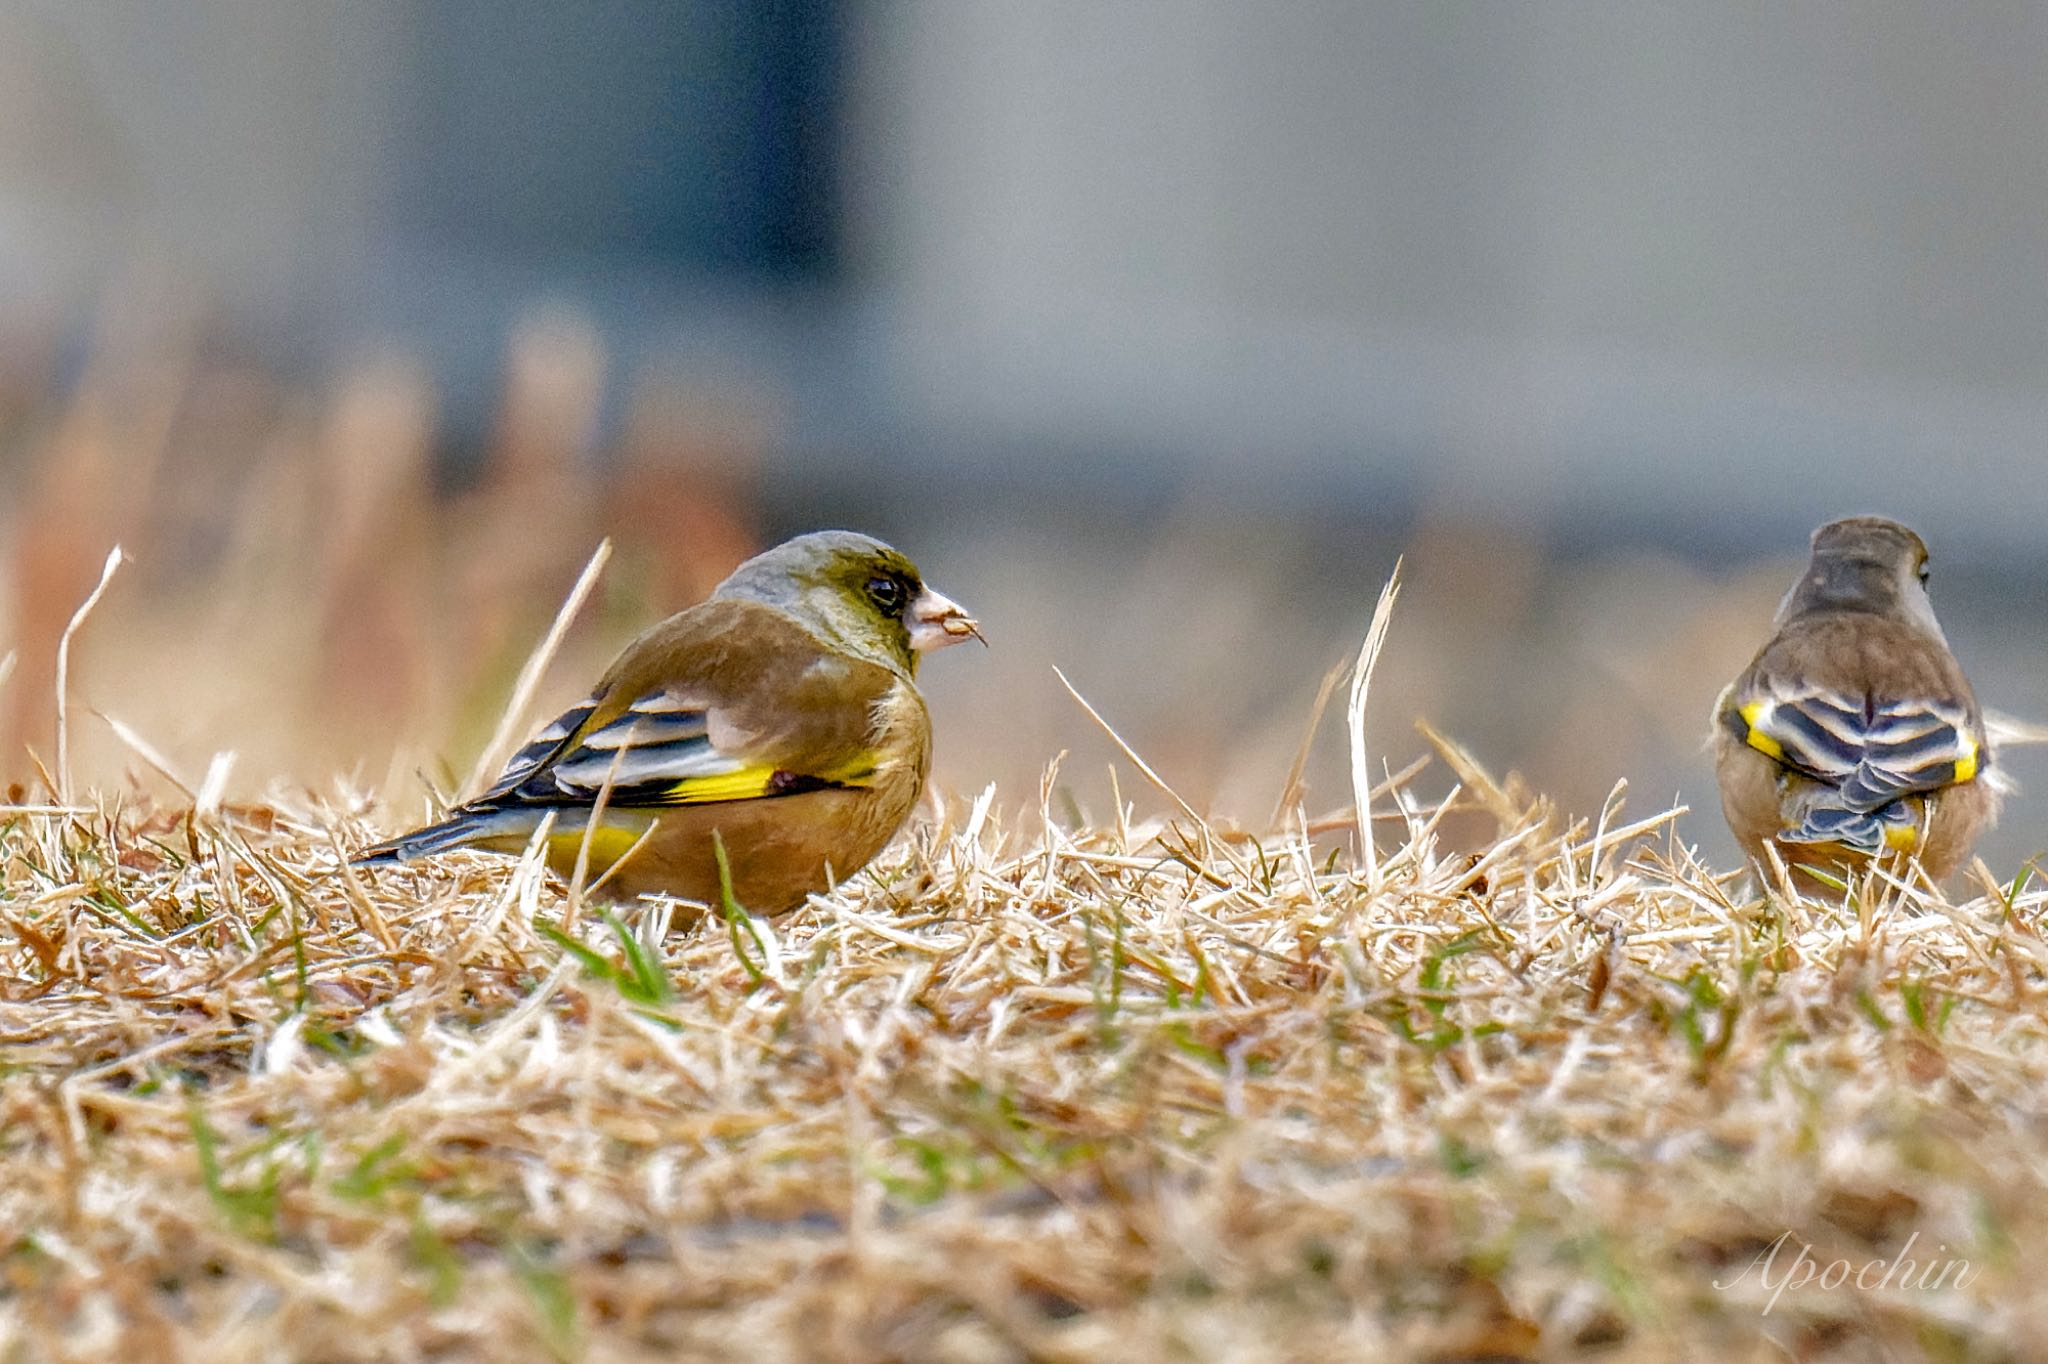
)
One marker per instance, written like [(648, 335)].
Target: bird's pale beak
[(936, 620)]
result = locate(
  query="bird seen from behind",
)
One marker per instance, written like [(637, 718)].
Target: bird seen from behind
[(1853, 735)]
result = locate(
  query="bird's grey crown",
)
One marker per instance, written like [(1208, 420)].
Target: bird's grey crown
[(776, 575)]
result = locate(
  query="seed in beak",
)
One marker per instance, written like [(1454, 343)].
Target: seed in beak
[(936, 621)]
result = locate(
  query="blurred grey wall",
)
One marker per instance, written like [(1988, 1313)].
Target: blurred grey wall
[(244, 144), (1710, 271), (1745, 264)]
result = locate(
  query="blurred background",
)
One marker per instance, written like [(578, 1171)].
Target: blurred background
[(1155, 331)]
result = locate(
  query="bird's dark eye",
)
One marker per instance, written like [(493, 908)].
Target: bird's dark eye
[(1923, 573), (889, 594)]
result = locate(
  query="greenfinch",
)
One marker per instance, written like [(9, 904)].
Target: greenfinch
[(776, 725), (1853, 734)]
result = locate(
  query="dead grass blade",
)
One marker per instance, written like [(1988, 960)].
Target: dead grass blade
[(64, 672), (1354, 717), (513, 719), (1131, 754), (1291, 789)]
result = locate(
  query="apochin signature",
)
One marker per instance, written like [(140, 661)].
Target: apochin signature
[(1870, 1276)]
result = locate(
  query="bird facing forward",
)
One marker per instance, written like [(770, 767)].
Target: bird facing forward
[(1853, 734), (780, 720)]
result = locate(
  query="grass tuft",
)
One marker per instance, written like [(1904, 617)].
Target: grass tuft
[(1035, 1088)]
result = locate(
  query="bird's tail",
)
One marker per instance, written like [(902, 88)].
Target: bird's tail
[(1866, 831), (462, 829)]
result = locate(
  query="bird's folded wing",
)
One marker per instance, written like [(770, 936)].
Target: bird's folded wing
[(1873, 755), (658, 751), (541, 748)]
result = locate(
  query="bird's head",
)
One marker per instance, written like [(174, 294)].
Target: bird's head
[(856, 592), (1869, 564)]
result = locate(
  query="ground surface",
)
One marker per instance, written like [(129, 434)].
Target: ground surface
[(1022, 1091)]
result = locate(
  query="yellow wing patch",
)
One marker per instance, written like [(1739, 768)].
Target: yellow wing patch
[(1752, 716), (742, 783), (1966, 761), (759, 780)]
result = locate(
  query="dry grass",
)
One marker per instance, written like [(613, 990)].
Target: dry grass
[(1149, 1089)]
